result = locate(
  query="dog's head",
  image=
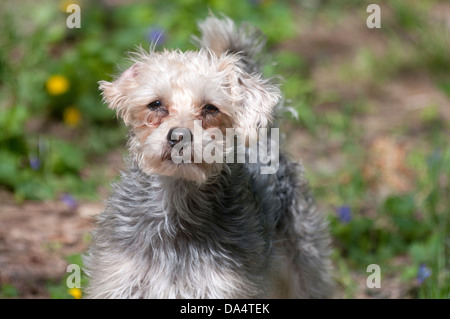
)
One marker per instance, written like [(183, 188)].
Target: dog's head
[(186, 101)]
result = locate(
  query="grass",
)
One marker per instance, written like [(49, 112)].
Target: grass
[(386, 204)]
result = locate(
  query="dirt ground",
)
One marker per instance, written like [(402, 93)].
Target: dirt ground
[(35, 237)]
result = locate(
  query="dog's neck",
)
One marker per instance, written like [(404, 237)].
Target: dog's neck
[(190, 207), (192, 201)]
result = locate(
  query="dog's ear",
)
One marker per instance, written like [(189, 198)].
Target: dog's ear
[(257, 101), (116, 93), (254, 98)]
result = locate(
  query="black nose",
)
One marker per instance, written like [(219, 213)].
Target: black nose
[(178, 134)]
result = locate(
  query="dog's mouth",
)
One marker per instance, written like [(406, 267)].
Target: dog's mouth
[(189, 153), (181, 163), (176, 157), (166, 154)]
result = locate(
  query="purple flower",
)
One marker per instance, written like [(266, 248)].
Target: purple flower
[(155, 35), (255, 2), (344, 214), (423, 273), (35, 163), (69, 201)]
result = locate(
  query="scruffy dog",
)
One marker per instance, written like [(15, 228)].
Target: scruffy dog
[(205, 229)]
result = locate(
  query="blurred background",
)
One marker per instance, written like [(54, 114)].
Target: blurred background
[(373, 129)]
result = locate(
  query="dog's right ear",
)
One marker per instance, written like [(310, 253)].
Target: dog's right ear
[(116, 93)]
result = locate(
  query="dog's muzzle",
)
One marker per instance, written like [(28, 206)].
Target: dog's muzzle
[(177, 135)]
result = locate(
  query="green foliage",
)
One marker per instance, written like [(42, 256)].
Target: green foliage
[(8, 291), (59, 289), (415, 224), (52, 144)]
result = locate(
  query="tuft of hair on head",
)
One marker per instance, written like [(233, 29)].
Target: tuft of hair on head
[(246, 42), (223, 36), (257, 96)]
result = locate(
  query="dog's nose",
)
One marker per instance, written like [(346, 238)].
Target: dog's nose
[(178, 134)]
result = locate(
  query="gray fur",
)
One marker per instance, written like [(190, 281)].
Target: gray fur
[(223, 36), (238, 235)]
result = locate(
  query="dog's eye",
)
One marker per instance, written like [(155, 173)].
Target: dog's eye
[(155, 105), (210, 109)]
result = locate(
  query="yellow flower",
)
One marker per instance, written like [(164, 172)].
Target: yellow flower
[(57, 84), (75, 292), (72, 116), (65, 3)]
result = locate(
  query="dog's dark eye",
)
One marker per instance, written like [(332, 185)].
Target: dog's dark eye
[(155, 105), (210, 109)]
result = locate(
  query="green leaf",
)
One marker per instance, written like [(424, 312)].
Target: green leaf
[(12, 121)]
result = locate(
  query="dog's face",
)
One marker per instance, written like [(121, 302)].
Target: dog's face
[(171, 98)]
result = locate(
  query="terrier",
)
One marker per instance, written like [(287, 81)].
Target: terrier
[(205, 229)]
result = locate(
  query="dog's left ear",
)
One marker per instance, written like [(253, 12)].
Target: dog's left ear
[(257, 101), (254, 98)]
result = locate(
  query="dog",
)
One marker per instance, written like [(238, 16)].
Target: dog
[(205, 229)]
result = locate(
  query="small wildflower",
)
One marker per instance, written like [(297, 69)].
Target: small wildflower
[(423, 273), (72, 116), (65, 3), (156, 35), (260, 2), (35, 163), (57, 85), (435, 157), (69, 201), (344, 213), (75, 292)]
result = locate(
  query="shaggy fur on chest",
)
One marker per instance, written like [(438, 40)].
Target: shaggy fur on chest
[(161, 237)]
